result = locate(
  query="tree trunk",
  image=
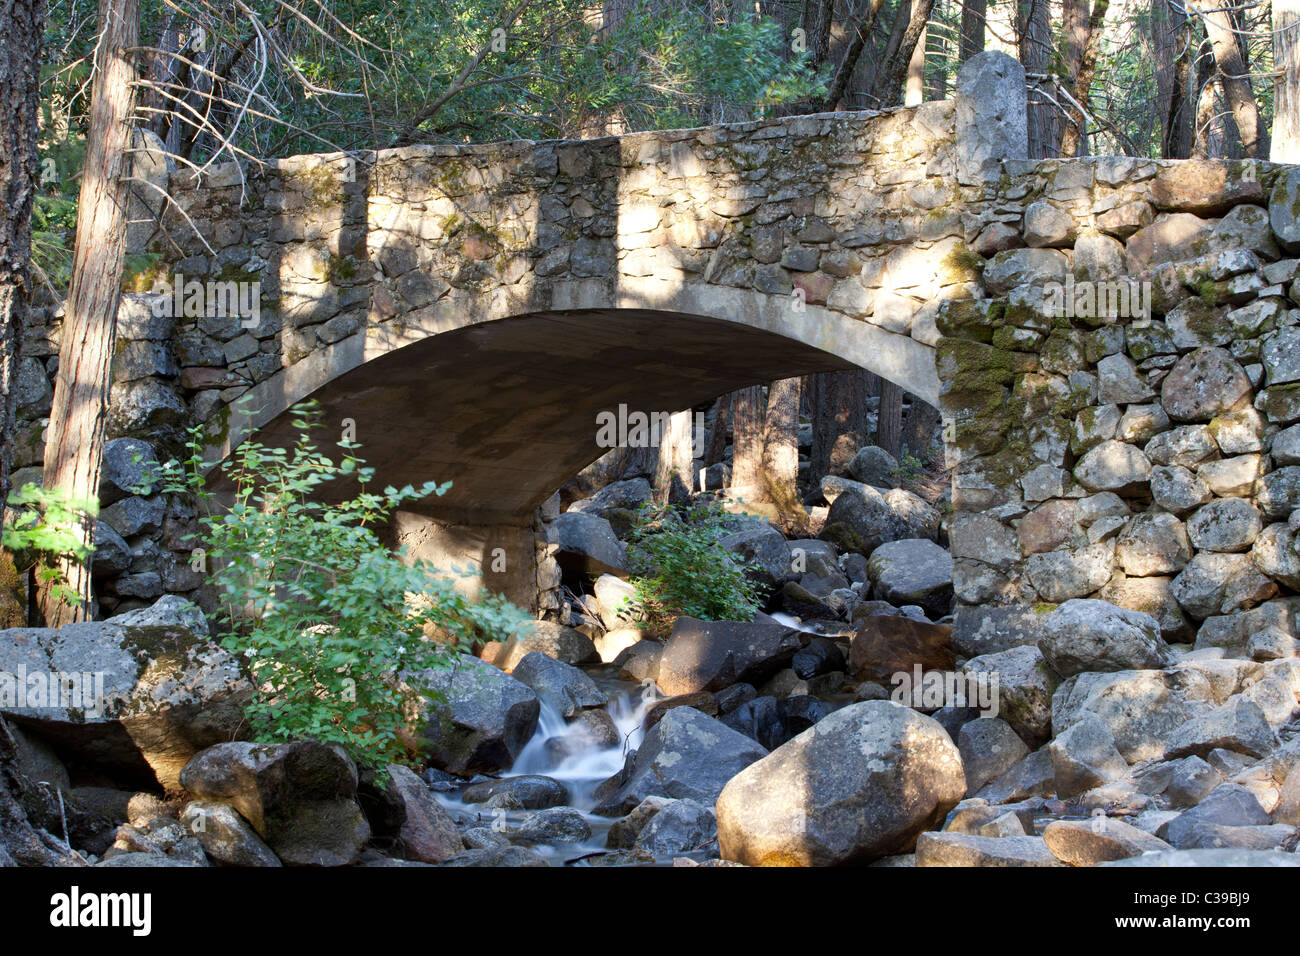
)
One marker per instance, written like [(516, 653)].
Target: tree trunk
[(839, 85), (20, 77), (972, 28), (889, 79), (918, 428), (676, 455), (839, 417), (1285, 146), (747, 442), (718, 433), (1175, 78), (1034, 29), (914, 88), (1083, 38), (1232, 74), (781, 452), (75, 440), (889, 423)]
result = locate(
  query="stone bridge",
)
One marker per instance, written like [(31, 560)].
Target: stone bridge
[(471, 310)]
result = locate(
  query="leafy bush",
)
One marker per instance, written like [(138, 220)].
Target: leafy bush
[(42, 530), (337, 629), (680, 569)]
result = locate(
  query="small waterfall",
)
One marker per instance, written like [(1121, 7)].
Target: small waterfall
[(568, 752)]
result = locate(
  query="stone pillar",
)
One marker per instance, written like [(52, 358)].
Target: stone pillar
[(501, 558), (991, 116)]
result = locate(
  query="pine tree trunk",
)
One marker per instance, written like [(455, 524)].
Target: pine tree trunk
[(20, 67), (676, 455), (918, 428), (718, 433), (889, 424), (839, 419), (1035, 36), (747, 443), (972, 28), (914, 90), (75, 440), (781, 452), (1285, 147), (1232, 74)]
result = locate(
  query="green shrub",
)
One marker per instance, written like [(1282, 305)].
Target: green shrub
[(336, 628), (42, 530), (678, 568)]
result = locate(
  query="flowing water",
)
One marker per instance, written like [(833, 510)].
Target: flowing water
[(565, 752)]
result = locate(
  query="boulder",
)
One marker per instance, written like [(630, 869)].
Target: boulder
[(561, 685), (555, 640), (1090, 635), (686, 756), (428, 834), (225, 835), (711, 655), (1228, 805), (552, 825), (299, 797), (805, 805), (764, 551), (616, 601), (145, 698), (1084, 756), (480, 718), (527, 792), (1024, 689), (587, 545), (873, 465), (1142, 709), (963, 849), (883, 646), (679, 826), (989, 748), (1099, 840), (626, 495), (913, 571), (1239, 726)]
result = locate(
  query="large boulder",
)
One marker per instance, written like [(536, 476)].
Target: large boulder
[(1024, 685), (711, 655), (1142, 709), (561, 685), (299, 797), (144, 696), (687, 755), (764, 551), (861, 784), (1089, 635), (479, 719), (587, 545), (555, 640), (884, 645), (427, 834), (913, 571), (619, 495)]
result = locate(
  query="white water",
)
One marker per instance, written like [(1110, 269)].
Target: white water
[(583, 765)]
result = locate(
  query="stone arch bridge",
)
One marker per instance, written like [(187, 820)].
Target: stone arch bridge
[(473, 309)]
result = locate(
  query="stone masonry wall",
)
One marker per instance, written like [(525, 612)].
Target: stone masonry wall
[(1142, 449)]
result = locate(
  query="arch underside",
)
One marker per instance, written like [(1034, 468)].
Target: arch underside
[(507, 409)]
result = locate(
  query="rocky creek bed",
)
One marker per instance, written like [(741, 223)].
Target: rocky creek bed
[(1085, 736)]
